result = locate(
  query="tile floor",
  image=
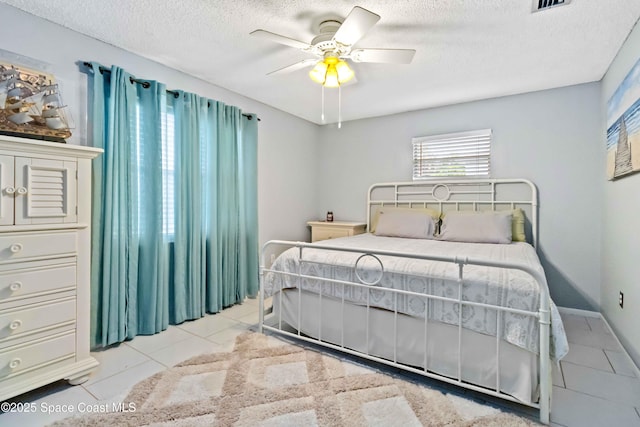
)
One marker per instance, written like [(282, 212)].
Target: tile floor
[(594, 385)]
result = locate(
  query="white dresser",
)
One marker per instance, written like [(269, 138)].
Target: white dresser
[(45, 250)]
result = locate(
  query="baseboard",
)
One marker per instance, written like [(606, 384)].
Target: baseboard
[(579, 312), (633, 364), (595, 314)]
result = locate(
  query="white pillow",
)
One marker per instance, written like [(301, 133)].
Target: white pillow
[(414, 225), (477, 227)]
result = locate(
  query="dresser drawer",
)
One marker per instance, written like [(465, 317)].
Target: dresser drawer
[(29, 245), (33, 318), (19, 359), (326, 233), (35, 277)]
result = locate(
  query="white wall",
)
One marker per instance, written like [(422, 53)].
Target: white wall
[(286, 144), (621, 232), (552, 137)]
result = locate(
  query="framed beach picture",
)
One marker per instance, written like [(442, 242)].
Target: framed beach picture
[(623, 127)]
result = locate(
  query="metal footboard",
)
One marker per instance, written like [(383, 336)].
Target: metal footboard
[(543, 315)]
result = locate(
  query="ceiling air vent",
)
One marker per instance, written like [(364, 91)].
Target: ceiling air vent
[(540, 5)]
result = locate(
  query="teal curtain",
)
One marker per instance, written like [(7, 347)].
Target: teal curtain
[(113, 283), (151, 143), (189, 278), (232, 206), (248, 208), (175, 231)]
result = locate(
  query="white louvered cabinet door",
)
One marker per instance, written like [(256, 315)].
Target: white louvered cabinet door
[(46, 191), (7, 190)]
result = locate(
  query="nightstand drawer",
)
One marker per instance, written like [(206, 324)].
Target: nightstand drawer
[(326, 233), (29, 245)]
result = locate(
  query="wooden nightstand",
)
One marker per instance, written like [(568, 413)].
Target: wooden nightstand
[(323, 230)]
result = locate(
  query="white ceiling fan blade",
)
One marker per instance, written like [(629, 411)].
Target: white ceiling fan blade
[(280, 39), (383, 56), (357, 23), (294, 67)]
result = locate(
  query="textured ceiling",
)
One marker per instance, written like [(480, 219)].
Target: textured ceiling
[(466, 49)]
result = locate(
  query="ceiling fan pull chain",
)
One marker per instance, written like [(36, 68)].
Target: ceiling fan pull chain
[(322, 116), (339, 107)]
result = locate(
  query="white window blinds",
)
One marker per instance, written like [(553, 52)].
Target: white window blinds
[(167, 147), (168, 172), (464, 154)]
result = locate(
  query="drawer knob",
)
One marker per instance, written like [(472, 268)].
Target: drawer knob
[(15, 286), (16, 247), (15, 363), (9, 190), (22, 190), (15, 324)]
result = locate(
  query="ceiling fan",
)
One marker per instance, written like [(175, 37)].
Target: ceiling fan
[(334, 44)]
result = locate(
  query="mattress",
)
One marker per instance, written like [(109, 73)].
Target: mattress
[(496, 286)]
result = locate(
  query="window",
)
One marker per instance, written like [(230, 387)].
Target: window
[(168, 168), (461, 154), (168, 173)]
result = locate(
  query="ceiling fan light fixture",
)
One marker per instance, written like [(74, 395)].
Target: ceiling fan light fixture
[(319, 72), (331, 72), (331, 79), (345, 73)]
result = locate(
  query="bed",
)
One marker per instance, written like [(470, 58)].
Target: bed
[(429, 289)]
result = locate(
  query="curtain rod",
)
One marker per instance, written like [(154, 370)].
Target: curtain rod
[(146, 85)]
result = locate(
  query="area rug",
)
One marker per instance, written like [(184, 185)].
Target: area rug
[(265, 381)]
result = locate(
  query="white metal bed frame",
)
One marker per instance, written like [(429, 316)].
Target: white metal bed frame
[(458, 195)]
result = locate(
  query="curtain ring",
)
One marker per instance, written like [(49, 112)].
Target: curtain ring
[(144, 84)]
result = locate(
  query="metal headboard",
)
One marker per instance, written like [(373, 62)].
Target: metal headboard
[(460, 195)]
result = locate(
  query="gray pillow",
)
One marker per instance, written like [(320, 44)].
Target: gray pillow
[(414, 225), (477, 227)]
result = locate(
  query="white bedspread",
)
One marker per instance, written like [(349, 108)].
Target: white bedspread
[(496, 286)]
